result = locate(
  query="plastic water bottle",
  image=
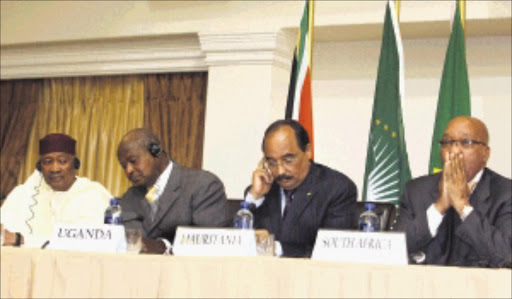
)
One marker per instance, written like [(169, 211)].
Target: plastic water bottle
[(368, 220), (113, 212), (244, 217)]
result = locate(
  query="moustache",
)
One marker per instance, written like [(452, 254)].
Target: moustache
[(283, 177)]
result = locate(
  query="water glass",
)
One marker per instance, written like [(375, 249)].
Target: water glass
[(265, 244), (133, 240)]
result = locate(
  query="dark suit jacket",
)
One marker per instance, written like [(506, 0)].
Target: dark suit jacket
[(191, 198), (482, 239), (325, 199)]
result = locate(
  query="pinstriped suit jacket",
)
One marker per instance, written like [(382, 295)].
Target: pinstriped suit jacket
[(325, 199), (191, 197)]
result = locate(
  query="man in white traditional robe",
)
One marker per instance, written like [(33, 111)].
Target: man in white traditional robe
[(52, 194)]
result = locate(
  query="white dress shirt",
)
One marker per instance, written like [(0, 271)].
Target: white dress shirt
[(160, 184), (259, 201), (162, 181)]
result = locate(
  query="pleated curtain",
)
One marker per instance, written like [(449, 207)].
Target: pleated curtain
[(18, 106), (174, 108), (97, 112)]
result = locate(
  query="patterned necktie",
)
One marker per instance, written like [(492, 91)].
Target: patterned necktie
[(288, 195), (150, 195), (151, 198)]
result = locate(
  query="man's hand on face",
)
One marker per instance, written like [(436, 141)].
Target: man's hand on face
[(453, 187), (261, 180), (443, 202), (457, 183)]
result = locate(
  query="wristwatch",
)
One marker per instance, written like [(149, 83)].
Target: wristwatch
[(168, 246), (465, 212), (17, 242)]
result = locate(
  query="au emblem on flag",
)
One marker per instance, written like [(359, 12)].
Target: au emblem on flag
[(387, 164)]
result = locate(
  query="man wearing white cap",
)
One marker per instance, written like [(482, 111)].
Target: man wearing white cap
[(52, 194)]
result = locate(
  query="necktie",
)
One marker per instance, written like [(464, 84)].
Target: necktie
[(151, 198), (472, 186), (288, 195), (150, 195)]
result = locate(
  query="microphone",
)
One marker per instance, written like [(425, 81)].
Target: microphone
[(131, 216), (45, 244)]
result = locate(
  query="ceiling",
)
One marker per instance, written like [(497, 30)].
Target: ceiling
[(412, 30)]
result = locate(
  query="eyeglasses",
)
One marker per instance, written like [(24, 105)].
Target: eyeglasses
[(287, 162), (465, 143)]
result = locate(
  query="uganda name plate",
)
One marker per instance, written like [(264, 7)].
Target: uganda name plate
[(98, 238)]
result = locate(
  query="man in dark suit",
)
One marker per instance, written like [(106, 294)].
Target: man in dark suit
[(462, 216), (164, 194), (294, 196)]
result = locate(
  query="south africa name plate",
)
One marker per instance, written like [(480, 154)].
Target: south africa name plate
[(361, 247), (193, 241)]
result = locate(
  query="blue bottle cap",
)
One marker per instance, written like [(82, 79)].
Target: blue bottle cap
[(369, 207), (245, 204), (114, 201)]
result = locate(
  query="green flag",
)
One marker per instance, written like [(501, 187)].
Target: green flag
[(454, 99), (387, 165)]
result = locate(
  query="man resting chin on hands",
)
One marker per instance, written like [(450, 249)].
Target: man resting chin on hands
[(462, 216)]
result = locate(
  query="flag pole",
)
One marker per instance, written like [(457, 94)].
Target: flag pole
[(311, 25), (462, 7), (397, 7)]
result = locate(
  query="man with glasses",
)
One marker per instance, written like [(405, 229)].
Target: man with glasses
[(295, 196), (462, 216)]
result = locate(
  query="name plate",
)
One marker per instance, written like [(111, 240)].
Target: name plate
[(98, 238), (193, 241), (361, 247)]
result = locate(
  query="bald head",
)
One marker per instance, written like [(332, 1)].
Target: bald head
[(137, 138), (476, 126), (141, 167)]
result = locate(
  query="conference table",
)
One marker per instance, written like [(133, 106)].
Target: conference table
[(37, 273)]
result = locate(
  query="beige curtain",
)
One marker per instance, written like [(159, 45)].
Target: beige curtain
[(174, 109), (96, 111), (18, 106)]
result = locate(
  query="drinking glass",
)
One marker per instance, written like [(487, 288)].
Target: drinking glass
[(265, 244), (133, 240)]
